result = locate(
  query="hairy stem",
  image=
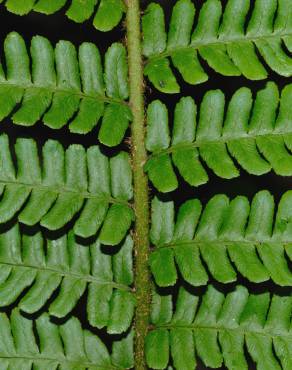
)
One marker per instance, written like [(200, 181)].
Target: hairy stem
[(141, 204)]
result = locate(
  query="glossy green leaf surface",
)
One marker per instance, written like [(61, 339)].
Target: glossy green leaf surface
[(158, 281), (222, 240), (46, 346), (220, 330), (60, 271), (230, 41), (106, 14), (65, 87), (68, 183), (252, 133)]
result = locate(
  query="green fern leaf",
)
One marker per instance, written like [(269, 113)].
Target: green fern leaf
[(226, 46), (42, 345), (225, 235), (255, 134), (219, 328), (107, 13), (36, 268), (61, 208), (76, 93), (69, 182)]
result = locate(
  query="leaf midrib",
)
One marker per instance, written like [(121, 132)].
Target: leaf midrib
[(63, 189), (224, 242), (212, 42), (54, 90), (70, 274), (218, 328), (221, 139), (60, 361)]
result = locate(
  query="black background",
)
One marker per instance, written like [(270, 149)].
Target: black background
[(57, 27)]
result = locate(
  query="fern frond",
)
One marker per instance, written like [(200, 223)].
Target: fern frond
[(61, 270), (75, 93), (69, 183), (43, 345), (219, 329), (227, 46), (257, 134), (107, 13), (226, 235)]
